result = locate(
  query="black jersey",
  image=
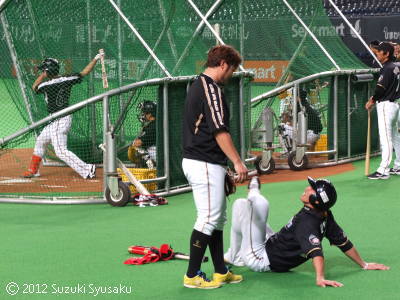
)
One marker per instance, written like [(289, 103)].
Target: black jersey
[(389, 79), (148, 134), (301, 239), (58, 90), (206, 113)]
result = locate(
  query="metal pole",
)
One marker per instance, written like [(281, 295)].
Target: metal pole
[(34, 23), (3, 4), (240, 3), (166, 136), (120, 74), (140, 38), (169, 34), (91, 108), (355, 31), (241, 121), (311, 34), (348, 116), (294, 116), (105, 130), (195, 34), (14, 58), (335, 117), (209, 26)]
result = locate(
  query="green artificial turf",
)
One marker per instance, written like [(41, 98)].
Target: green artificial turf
[(55, 246)]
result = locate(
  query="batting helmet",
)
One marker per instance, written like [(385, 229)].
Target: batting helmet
[(325, 194), (146, 107), (51, 66), (149, 107)]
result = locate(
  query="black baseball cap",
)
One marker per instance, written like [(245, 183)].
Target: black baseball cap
[(374, 43), (386, 47)]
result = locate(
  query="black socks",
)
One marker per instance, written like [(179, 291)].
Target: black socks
[(216, 245), (198, 245)]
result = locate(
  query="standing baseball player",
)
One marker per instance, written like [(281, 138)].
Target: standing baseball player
[(387, 92), (254, 244), (206, 146), (57, 90)]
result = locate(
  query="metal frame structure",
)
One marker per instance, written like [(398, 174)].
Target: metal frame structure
[(300, 150), (109, 159), (109, 163)]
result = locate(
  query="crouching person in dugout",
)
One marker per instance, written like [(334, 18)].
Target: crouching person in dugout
[(255, 245)]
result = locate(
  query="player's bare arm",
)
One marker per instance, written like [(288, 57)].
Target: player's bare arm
[(354, 256), (318, 262), (39, 80), (91, 65), (225, 142)]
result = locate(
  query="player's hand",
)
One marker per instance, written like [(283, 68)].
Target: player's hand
[(325, 283), (369, 104), (137, 143), (375, 266), (241, 171), (99, 56)]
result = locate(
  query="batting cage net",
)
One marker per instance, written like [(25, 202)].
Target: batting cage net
[(51, 65)]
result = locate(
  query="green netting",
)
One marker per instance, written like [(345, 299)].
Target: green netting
[(355, 139), (271, 40)]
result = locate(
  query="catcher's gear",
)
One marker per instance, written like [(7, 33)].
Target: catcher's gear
[(150, 254), (140, 157), (230, 186), (325, 194), (146, 107), (51, 66)]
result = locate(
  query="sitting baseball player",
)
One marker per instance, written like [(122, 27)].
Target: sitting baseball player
[(314, 125), (143, 150), (254, 244), (57, 90)]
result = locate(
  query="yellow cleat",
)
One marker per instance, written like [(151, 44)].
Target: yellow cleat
[(200, 281), (229, 277)]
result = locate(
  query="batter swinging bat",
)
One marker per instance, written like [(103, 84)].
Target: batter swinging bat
[(368, 149), (103, 69)]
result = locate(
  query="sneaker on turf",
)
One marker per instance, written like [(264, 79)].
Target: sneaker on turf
[(229, 277), (200, 281), (377, 175), (394, 171)]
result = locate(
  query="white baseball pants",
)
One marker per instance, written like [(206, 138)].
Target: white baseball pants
[(250, 232), (207, 181), (56, 133), (388, 119)]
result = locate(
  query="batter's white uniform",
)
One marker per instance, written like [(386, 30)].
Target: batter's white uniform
[(56, 133), (250, 232)]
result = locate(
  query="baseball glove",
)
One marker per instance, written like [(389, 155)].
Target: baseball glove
[(230, 186)]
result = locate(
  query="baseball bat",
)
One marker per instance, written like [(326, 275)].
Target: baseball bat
[(368, 149), (139, 186), (103, 69)]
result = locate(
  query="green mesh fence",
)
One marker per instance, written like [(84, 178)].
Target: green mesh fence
[(272, 42)]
